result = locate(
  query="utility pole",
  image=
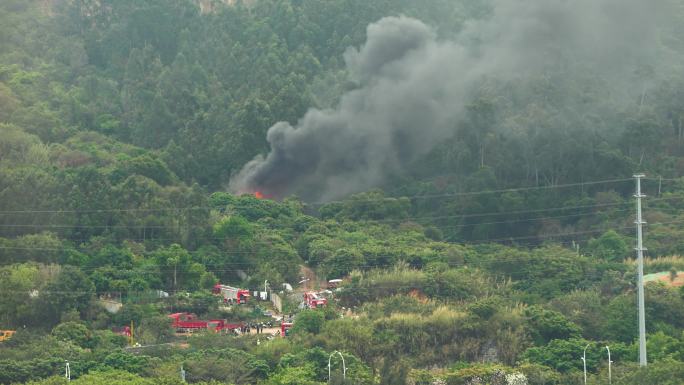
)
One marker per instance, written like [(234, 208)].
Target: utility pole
[(610, 377), (660, 184), (640, 268)]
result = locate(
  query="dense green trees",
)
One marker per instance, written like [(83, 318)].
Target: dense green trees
[(17, 282), (73, 332), (70, 290), (200, 90), (122, 121), (309, 321), (547, 325)]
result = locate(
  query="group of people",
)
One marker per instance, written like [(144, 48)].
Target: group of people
[(247, 328)]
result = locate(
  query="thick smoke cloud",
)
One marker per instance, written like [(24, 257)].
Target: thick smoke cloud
[(413, 88)]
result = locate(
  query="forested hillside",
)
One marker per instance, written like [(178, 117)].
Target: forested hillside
[(464, 167)]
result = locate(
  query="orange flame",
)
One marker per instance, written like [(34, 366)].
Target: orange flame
[(258, 195)]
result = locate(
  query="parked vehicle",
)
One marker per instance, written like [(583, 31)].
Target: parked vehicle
[(188, 322), (334, 284), (122, 331), (231, 294), (285, 329), (6, 334), (312, 300)]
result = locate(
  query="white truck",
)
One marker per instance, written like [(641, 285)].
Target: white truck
[(231, 294)]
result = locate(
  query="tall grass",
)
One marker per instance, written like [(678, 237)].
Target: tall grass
[(659, 264), (399, 279)]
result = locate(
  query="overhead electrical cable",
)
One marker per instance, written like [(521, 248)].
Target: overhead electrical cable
[(351, 199), (469, 242)]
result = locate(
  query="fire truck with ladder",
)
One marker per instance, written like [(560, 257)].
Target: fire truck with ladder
[(312, 300), (231, 294)]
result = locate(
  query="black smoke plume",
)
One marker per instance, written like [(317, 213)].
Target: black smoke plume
[(412, 88)]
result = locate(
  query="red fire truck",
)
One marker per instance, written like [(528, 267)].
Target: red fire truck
[(285, 329), (188, 322), (313, 300), (122, 331), (231, 294)]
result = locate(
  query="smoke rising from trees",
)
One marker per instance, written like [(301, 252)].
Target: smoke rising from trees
[(413, 87)]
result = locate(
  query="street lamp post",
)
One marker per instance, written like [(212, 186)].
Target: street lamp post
[(344, 366), (584, 361), (610, 380)]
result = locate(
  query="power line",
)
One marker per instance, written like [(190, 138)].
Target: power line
[(224, 251), (499, 258), (400, 256), (474, 241), (500, 213), (678, 179), (473, 215), (262, 242), (369, 268), (403, 220), (351, 199), (398, 220), (189, 208), (431, 196)]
